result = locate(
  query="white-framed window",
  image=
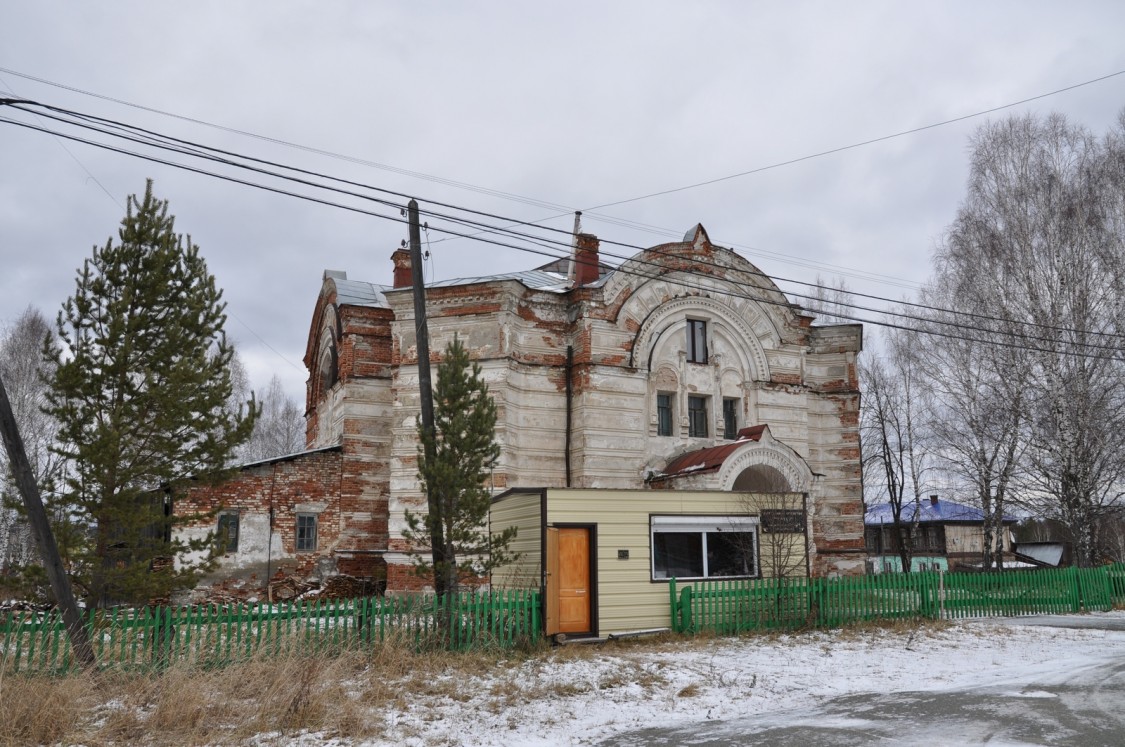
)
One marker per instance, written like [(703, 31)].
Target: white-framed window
[(696, 341), (227, 534), (686, 547), (664, 412), (306, 532)]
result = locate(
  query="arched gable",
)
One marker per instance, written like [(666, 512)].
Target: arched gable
[(695, 266)]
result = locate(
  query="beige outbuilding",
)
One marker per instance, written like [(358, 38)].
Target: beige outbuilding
[(603, 559)]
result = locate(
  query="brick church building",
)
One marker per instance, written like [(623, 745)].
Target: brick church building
[(636, 377)]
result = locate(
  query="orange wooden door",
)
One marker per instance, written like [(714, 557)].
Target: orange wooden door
[(574, 580)]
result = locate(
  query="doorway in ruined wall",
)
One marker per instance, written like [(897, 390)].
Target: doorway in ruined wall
[(571, 588)]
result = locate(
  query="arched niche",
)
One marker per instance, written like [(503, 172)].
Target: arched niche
[(326, 373), (761, 478)]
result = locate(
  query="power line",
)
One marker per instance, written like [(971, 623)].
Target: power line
[(503, 231), (634, 225), (852, 146), (71, 154), (187, 147)]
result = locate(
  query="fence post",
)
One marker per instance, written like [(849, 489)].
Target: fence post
[(1076, 590), (686, 623), (674, 605)]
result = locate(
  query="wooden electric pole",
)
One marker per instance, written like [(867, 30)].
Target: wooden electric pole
[(426, 395), (44, 537)]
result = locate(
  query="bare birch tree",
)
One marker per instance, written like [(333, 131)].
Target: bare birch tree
[(976, 412), (830, 300), (894, 462), (1040, 242), (279, 429)]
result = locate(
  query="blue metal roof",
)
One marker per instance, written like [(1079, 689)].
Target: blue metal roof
[(931, 511)]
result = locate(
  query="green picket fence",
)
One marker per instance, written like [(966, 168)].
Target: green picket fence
[(728, 607), (215, 636)]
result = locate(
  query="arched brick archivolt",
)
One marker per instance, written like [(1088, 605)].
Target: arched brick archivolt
[(770, 453), (725, 321), (326, 371)]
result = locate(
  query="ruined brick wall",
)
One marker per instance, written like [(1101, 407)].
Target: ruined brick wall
[(837, 518), (518, 338), (350, 406), (267, 498)]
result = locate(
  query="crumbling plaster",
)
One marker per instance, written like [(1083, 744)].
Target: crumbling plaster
[(627, 340)]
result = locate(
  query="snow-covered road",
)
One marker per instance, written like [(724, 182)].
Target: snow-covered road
[(587, 700), (725, 687)]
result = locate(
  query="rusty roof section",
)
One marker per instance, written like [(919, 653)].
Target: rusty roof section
[(711, 458)]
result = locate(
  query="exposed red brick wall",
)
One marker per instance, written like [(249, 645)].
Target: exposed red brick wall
[(282, 485)]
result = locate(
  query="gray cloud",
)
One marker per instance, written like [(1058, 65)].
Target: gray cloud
[(577, 105)]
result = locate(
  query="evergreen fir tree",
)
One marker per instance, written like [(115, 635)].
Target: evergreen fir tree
[(140, 394), (455, 462)]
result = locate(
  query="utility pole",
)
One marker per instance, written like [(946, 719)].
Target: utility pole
[(426, 395), (44, 538)]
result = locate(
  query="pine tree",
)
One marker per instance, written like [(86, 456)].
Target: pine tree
[(454, 466), (140, 393)]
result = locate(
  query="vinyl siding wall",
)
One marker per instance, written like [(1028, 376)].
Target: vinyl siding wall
[(521, 510), (628, 598)]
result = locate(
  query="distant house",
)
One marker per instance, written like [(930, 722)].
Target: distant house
[(946, 535)]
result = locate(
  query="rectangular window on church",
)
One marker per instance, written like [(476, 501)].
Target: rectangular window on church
[(697, 416), (306, 532), (227, 534), (730, 418), (664, 414), (696, 341)]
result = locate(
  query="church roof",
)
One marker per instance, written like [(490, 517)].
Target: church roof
[(361, 293)]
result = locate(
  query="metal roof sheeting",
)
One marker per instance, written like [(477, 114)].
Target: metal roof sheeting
[(360, 293), (711, 458), (931, 511)]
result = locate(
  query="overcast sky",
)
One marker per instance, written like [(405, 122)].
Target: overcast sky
[(573, 104)]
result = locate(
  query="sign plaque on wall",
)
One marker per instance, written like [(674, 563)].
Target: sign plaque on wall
[(782, 521)]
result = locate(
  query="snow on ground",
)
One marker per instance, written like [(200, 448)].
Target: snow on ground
[(570, 699)]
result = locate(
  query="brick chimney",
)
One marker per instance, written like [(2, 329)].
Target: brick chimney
[(586, 259), (933, 500), (401, 259)]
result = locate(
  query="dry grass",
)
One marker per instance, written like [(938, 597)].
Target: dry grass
[(908, 626), (186, 705), (337, 696), (346, 696)]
